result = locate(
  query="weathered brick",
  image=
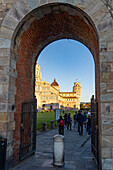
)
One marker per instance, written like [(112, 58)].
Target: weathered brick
[(3, 126), (43, 2), (106, 25), (22, 8), (11, 126), (15, 14), (108, 97), (5, 43), (6, 33), (110, 46), (106, 56), (4, 52), (10, 23), (3, 97), (107, 164), (3, 117), (33, 4), (105, 67), (4, 61)]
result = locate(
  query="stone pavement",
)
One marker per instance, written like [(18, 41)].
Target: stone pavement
[(77, 153)]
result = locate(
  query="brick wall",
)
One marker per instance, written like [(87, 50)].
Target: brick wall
[(46, 29)]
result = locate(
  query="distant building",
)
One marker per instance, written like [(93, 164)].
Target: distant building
[(49, 95)]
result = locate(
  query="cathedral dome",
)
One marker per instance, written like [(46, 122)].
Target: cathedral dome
[(54, 83)]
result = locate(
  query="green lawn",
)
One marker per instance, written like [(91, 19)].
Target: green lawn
[(45, 117), (72, 112), (48, 117)]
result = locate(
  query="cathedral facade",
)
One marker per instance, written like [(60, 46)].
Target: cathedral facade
[(49, 95)]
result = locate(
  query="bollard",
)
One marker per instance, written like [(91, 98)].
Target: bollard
[(44, 126), (52, 124), (58, 153)]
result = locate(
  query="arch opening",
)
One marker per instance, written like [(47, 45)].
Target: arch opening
[(65, 61), (69, 65), (57, 22)]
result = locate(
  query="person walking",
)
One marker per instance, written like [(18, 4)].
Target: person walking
[(61, 126), (69, 119), (80, 120), (85, 120), (74, 119), (65, 118), (89, 124)]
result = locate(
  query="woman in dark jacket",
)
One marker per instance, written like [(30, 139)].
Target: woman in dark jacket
[(69, 119), (61, 125)]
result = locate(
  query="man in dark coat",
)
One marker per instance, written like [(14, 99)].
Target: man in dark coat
[(65, 118), (80, 120), (74, 118)]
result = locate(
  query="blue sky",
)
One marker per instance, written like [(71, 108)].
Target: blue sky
[(68, 60)]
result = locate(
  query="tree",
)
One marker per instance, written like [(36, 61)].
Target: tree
[(81, 106)]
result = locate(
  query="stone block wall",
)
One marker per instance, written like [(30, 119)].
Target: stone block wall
[(18, 20)]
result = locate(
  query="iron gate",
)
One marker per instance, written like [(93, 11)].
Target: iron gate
[(28, 128), (94, 128)]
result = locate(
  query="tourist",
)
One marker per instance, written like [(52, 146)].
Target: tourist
[(85, 120), (65, 118), (61, 126), (80, 120), (74, 118), (89, 123), (69, 120)]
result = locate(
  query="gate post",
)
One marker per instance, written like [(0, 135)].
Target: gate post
[(94, 128), (44, 126), (52, 124), (3, 147)]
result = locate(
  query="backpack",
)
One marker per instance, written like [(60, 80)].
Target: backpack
[(61, 123)]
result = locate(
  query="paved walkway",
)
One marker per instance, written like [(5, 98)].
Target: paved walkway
[(77, 153)]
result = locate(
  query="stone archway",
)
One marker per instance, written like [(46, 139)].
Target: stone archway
[(30, 27), (34, 36)]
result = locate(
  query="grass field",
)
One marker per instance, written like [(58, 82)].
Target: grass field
[(72, 112), (48, 117), (45, 117)]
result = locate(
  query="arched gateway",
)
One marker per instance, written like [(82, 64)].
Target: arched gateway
[(26, 28)]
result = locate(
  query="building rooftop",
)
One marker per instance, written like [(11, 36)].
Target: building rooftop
[(54, 83)]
